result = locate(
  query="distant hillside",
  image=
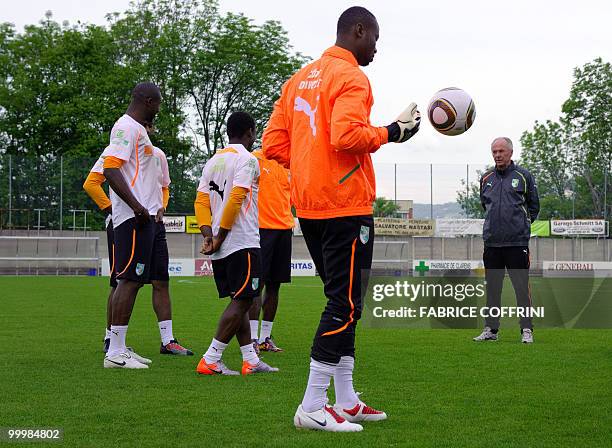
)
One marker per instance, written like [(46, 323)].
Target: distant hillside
[(446, 210)]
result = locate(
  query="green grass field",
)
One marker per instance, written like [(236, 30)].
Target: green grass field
[(437, 386)]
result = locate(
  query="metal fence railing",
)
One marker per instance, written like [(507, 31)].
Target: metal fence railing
[(38, 193)]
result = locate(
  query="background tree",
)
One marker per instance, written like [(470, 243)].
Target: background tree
[(385, 208), (207, 66), (62, 87), (469, 198), (569, 158)]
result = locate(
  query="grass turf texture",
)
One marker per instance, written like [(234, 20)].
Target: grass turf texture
[(437, 386)]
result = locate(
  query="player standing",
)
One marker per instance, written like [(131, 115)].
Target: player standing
[(275, 234), (160, 295), (141, 251), (320, 128), (226, 210)]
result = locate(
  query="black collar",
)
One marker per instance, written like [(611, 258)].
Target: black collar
[(506, 170)]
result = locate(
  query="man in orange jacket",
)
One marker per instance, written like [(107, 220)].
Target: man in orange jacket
[(320, 129)]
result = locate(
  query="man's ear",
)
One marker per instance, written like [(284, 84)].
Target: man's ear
[(359, 30)]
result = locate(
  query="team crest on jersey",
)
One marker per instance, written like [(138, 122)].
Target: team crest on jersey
[(255, 283), (139, 268), (119, 138), (364, 234), (515, 183)]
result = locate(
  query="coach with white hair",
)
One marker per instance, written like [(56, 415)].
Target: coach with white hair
[(510, 199)]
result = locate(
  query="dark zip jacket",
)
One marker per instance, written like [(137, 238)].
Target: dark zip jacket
[(511, 203)]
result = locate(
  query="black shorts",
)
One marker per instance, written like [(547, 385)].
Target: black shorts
[(275, 255), (141, 252), (239, 274), (110, 241)]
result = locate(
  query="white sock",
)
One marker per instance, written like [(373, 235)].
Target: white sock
[(107, 335), (214, 352), (165, 331), (266, 330), (254, 328), (117, 340), (343, 383), (249, 355), (315, 396)]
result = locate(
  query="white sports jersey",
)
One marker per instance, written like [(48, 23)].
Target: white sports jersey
[(143, 169), (232, 167)]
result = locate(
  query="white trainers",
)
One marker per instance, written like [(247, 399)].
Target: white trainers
[(360, 413), (486, 335), (123, 361), (325, 419), (137, 357), (527, 336)]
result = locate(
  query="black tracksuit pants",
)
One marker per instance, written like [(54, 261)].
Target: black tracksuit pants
[(516, 260), (341, 249)]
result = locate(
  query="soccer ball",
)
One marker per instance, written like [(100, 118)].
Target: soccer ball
[(451, 111)]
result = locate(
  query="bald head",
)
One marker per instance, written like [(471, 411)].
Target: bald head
[(353, 16), (145, 90), (502, 149), (358, 32), (146, 99)]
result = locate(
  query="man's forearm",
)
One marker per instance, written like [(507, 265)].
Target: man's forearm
[(121, 188)]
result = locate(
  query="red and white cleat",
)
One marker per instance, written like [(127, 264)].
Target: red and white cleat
[(360, 413)]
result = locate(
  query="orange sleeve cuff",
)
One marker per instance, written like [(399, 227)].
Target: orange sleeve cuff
[(202, 209), (232, 208), (113, 162), (165, 196), (93, 187)]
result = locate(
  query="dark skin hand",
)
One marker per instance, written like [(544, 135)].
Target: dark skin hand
[(119, 185), (108, 210), (212, 244), (159, 216)]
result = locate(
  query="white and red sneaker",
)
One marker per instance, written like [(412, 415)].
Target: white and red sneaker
[(325, 419), (360, 413)]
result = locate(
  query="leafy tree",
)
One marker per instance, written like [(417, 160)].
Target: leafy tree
[(385, 208), (470, 200), (207, 66), (569, 158), (62, 87), (587, 117)]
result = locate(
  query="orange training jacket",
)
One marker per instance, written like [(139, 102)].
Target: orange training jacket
[(320, 129), (273, 201)]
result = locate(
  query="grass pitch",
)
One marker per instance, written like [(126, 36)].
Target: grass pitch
[(437, 386)]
